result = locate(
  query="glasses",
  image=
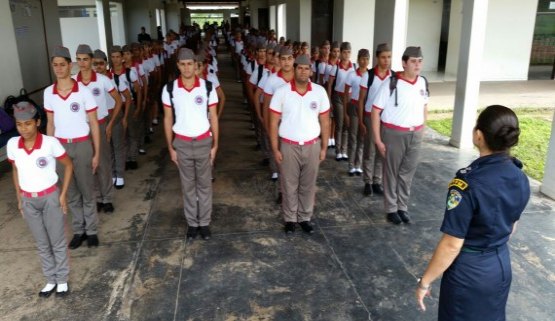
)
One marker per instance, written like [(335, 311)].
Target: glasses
[(100, 63)]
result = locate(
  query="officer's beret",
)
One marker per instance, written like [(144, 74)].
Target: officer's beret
[(302, 60), (84, 50), (61, 52), (363, 53), (185, 54), (99, 54), (415, 52), (24, 110), (345, 46)]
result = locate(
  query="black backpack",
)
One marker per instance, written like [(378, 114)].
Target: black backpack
[(393, 86), (169, 89), (371, 73), (23, 96)]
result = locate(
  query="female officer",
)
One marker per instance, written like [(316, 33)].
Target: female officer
[(484, 203), (33, 157)]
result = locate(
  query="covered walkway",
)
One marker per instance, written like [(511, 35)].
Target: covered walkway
[(355, 267)]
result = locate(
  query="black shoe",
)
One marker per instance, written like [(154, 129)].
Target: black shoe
[(307, 228), (404, 216), (289, 228), (279, 198), (148, 140), (133, 165), (62, 294), (99, 207), (47, 293), (205, 232), (108, 208), (77, 240), (257, 147), (394, 218), (377, 189), (127, 165), (367, 189), (92, 240), (142, 151), (192, 232), (265, 162)]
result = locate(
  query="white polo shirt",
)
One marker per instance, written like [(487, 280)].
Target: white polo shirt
[(253, 80), (299, 113), (273, 82), (238, 46), (341, 75), (328, 68), (373, 91), (123, 86), (191, 117), (36, 168), (70, 113), (353, 81), (322, 70), (129, 82), (412, 97), (140, 70), (101, 87)]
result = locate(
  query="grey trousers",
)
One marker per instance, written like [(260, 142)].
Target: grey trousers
[(372, 160), (299, 170), (46, 221), (195, 173), (80, 194), (267, 150), (133, 134), (401, 160), (118, 149), (103, 185), (341, 134), (355, 139)]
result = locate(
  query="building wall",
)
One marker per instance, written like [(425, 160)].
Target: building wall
[(143, 14), (254, 5), (358, 30), (424, 30), (9, 58), (73, 33)]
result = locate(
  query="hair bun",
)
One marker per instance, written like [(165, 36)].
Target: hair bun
[(507, 136)]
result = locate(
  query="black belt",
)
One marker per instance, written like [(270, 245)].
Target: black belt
[(470, 249)]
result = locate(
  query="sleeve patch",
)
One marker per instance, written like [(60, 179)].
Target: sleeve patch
[(454, 199), (458, 183)]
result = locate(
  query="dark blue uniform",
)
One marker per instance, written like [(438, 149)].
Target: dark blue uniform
[(483, 203)]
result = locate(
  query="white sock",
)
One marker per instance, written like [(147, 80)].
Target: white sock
[(48, 287), (62, 287)]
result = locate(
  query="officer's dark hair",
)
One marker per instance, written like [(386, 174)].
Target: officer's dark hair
[(499, 125)]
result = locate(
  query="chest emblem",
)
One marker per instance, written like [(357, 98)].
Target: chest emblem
[(199, 100), (96, 91), (74, 107), (313, 105), (454, 199), (42, 162)]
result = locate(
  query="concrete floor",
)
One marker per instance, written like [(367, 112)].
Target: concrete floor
[(356, 266)]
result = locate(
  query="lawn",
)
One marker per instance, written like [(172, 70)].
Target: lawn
[(535, 129)]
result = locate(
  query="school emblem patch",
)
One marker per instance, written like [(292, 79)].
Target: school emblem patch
[(96, 91), (313, 105), (454, 199), (42, 162), (199, 100), (423, 93), (74, 107)]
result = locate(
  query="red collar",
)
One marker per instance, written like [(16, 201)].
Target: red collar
[(377, 73), (73, 90), (93, 77), (404, 79), (195, 85), (109, 74), (294, 87), (348, 66), (36, 145)]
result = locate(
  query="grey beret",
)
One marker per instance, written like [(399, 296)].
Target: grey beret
[(99, 54), (345, 46), (413, 52), (285, 51), (135, 46), (335, 44), (302, 60), (383, 47), (185, 54), (24, 111), (126, 48), (61, 52), (364, 53), (84, 50), (116, 49)]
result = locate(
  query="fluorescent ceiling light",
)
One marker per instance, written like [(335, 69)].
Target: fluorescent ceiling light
[(209, 7)]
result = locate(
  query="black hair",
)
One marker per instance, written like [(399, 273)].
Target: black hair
[(405, 58), (499, 125)]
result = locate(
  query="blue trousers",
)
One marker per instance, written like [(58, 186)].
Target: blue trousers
[(476, 287)]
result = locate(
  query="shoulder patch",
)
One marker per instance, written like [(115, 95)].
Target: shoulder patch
[(454, 199), (458, 183)]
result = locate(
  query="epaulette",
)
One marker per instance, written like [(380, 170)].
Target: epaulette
[(517, 162)]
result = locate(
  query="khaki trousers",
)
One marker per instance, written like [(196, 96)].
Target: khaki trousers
[(354, 148), (118, 149), (103, 185), (372, 160), (341, 134)]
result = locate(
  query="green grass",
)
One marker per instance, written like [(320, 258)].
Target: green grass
[(535, 129)]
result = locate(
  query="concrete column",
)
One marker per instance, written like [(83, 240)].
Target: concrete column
[(548, 184), (357, 27), (468, 73), (391, 27), (305, 21), (104, 25), (9, 65)]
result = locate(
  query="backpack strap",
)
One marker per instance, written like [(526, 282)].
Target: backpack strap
[(371, 73), (260, 73), (208, 90), (169, 89), (317, 64), (116, 80), (393, 86), (131, 87)]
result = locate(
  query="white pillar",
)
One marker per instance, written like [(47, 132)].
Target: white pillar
[(104, 25), (357, 28), (548, 184), (391, 18), (468, 73)]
